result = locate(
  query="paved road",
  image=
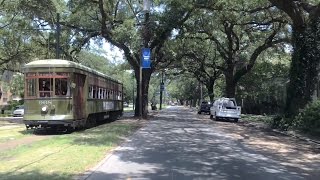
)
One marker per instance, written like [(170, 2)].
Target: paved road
[(179, 145)]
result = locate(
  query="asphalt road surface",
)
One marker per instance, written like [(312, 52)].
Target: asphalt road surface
[(178, 144)]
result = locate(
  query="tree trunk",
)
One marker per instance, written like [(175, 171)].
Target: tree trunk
[(146, 74), (230, 84), (304, 66), (210, 88)]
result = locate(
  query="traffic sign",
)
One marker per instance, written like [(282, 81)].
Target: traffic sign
[(146, 54)]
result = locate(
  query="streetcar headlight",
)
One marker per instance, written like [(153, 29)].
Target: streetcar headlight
[(44, 109)]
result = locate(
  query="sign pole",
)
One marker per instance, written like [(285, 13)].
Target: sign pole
[(140, 91), (161, 90), (58, 29)]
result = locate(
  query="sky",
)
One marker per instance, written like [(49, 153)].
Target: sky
[(112, 53)]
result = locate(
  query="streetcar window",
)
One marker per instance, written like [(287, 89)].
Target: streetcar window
[(45, 87), (94, 90), (104, 94), (61, 87), (100, 94), (31, 87), (111, 95), (90, 92)]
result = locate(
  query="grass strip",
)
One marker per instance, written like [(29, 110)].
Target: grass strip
[(9, 132), (63, 156)]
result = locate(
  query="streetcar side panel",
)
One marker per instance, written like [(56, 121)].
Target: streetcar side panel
[(103, 97)]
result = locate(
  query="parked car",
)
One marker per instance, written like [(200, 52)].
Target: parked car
[(125, 104), (204, 107), (19, 111), (225, 108)]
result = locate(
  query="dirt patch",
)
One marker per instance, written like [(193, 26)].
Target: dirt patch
[(134, 120), (293, 152)]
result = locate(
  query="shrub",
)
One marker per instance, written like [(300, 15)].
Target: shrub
[(280, 122), (12, 104), (308, 120)]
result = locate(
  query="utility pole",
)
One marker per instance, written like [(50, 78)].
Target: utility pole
[(58, 30)]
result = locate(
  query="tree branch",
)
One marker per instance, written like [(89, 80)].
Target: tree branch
[(269, 42), (292, 9)]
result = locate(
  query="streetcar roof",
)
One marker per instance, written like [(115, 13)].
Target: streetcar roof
[(64, 64)]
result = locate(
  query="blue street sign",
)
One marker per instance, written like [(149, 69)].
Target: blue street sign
[(162, 86), (146, 54)]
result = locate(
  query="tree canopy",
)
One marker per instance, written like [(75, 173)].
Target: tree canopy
[(215, 42)]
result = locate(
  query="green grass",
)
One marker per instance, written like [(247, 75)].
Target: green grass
[(128, 109), (7, 113), (11, 131), (257, 118), (63, 156)]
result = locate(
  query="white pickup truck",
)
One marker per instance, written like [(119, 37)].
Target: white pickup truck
[(225, 108)]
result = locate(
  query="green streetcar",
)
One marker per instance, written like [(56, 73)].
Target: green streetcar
[(66, 95)]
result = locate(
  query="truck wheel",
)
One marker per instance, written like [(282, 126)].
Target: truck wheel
[(211, 116), (236, 120)]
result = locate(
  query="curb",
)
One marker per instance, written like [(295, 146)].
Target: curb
[(89, 172)]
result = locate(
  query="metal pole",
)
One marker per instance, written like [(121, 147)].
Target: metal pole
[(58, 29), (140, 91), (161, 89), (133, 86), (201, 93)]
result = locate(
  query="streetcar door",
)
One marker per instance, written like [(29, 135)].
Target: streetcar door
[(78, 97)]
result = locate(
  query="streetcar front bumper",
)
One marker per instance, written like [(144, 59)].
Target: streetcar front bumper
[(48, 123)]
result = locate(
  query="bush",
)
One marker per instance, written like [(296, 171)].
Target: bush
[(12, 104), (281, 122), (308, 120)]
